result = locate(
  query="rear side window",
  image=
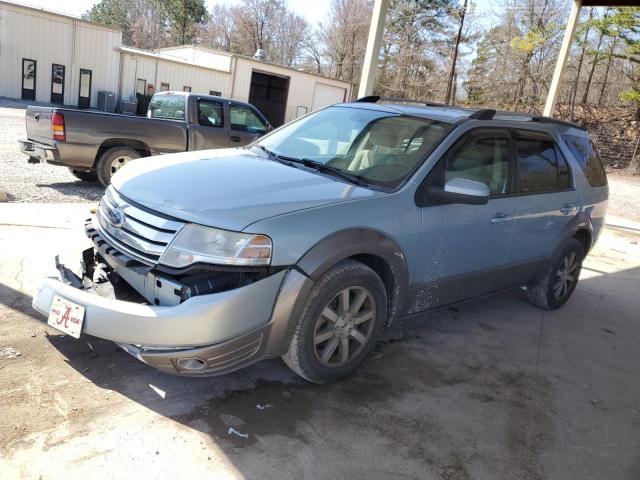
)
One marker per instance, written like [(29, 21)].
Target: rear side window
[(588, 159), (210, 114), (539, 167), (167, 106)]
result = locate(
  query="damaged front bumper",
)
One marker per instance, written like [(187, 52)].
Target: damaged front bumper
[(202, 335)]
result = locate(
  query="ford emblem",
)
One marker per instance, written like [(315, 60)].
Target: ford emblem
[(114, 215)]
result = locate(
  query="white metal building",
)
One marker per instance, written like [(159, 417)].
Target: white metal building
[(49, 57), (281, 93)]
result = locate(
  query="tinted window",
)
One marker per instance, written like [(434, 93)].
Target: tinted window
[(564, 175), (167, 106), (245, 119), (210, 114), (484, 157), (537, 165), (588, 159)]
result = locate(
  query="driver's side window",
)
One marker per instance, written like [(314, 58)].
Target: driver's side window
[(483, 156)]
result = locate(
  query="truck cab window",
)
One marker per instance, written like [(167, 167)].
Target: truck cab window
[(210, 114), (245, 119)]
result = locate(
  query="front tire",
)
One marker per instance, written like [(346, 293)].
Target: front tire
[(112, 160), (559, 279), (339, 324)]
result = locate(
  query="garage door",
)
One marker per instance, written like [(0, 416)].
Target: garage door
[(327, 95)]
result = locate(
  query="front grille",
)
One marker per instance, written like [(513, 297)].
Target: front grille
[(140, 234)]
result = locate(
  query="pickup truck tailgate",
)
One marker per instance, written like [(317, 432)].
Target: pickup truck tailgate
[(38, 123)]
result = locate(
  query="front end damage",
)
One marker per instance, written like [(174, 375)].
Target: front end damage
[(205, 320)]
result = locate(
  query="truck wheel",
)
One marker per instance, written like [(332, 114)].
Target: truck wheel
[(339, 324), (84, 175), (559, 279), (113, 160)]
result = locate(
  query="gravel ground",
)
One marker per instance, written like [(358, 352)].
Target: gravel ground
[(27, 182)]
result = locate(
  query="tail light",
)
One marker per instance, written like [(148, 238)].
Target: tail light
[(57, 127)]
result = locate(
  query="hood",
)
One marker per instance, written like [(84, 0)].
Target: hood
[(229, 189)]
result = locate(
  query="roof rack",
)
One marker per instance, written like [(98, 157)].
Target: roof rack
[(377, 98), (482, 114)]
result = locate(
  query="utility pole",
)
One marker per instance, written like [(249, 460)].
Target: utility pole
[(454, 57)]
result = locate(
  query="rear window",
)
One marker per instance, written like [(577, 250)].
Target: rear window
[(168, 106), (585, 153), (537, 164)]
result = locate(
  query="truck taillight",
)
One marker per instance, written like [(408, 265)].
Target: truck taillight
[(57, 127)]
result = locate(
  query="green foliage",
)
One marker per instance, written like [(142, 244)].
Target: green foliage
[(631, 96), (184, 17)]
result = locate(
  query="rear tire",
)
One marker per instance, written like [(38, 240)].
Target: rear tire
[(339, 325), (112, 160), (84, 175), (559, 279)]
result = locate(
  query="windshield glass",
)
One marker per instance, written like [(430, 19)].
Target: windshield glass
[(168, 106), (380, 148)]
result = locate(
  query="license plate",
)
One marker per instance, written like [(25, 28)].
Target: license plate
[(66, 316)]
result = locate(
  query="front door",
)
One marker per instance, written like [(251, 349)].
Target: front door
[(57, 84), (210, 129), (28, 79), (546, 200), (84, 95), (464, 247), (245, 124)]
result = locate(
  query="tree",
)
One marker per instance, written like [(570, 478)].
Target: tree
[(454, 57), (184, 18)]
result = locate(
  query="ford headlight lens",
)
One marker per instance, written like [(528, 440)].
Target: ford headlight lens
[(196, 243)]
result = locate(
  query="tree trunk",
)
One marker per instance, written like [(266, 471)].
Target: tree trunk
[(585, 96), (606, 72), (580, 62), (454, 56)]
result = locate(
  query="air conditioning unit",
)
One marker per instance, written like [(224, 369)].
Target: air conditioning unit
[(107, 101)]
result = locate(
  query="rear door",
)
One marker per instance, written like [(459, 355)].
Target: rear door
[(246, 125), (546, 200), (209, 128)]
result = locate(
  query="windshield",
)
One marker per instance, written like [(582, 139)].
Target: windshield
[(380, 148), (168, 106)]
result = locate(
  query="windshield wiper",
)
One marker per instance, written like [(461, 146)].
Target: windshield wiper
[(323, 167), (275, 156)]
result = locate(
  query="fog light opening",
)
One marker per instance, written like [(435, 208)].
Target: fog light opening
[(191, 364)]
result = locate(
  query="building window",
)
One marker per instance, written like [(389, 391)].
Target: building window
[(215, 93), (57, 83), (84, 95), (141, 86), (186, 88), (164, 87), (301, 111), (28, 79)]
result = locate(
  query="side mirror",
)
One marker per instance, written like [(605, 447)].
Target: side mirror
[(461, 190)]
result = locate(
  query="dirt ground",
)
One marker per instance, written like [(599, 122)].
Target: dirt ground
[(490, 389)]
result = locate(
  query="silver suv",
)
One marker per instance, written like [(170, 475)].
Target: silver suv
[(308, 242)]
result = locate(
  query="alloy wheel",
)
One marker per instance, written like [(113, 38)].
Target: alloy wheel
[(566, 276), (344, 326)]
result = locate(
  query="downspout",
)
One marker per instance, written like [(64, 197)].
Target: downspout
[(234, 65), (73, 63)]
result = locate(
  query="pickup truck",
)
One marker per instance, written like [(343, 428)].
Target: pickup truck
[(91, 142)]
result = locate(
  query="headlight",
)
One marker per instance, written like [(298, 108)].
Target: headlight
[(195, 243)]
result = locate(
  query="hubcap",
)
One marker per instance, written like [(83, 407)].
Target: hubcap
[(118, 163), (344, 326), (566, 276)]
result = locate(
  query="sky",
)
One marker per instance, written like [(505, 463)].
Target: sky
[(313, 11)]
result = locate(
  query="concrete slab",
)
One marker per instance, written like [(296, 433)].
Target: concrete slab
[(489, 389)]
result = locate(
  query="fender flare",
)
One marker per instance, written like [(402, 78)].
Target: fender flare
[(362, 242)]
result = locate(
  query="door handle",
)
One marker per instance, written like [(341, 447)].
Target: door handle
[(235, 138), (501, 218), (568, 208)]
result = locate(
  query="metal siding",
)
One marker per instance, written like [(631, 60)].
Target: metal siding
[(49, 38), (301, 84), (177, 75)]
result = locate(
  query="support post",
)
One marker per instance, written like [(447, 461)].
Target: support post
[(567, 41), (370, 65)]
